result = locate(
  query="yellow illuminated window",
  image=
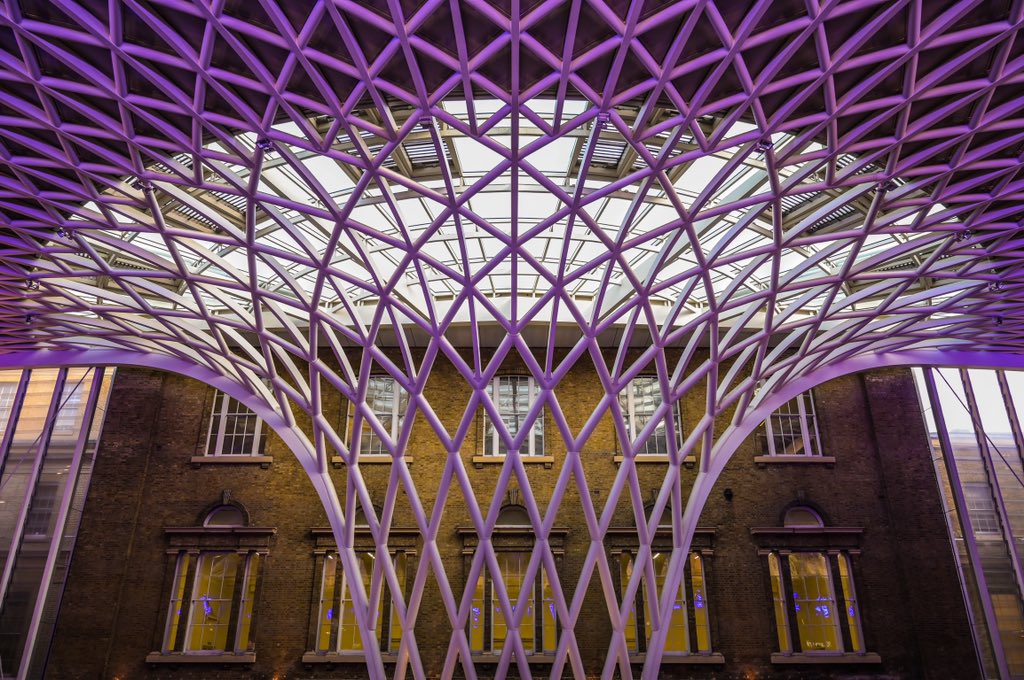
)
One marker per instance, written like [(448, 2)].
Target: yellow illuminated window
[(850, 601), (488, 619), (337, 610), (513, 570), (779, 599), (677, 639), (210, 606), (814, 601)]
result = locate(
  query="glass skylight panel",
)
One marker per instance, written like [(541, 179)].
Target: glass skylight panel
[(475, 159)]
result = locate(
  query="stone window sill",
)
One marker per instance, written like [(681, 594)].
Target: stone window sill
[(539, 659), (800, 460), (222, 657), (688, 461), (263, 461), (338, 461), (778, 658), (335, 657), (480, 461), (714, 658)]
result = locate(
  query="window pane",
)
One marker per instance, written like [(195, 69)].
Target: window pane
[(814, 603), (779, 600), (210, 607), (234, 429), (349, 637), (792, 430), (177, 602), (646, 399), (387, 401), (677, 638), (549, 621), (626, 573), (702, 624), (476, 616), (327, 592), (513, 569), (850, 600), (981, 507), (248, 601), (513, 396), (396, 621)]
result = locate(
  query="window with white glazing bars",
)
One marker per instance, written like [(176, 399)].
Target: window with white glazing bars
[(638, 402), (792, 430), (234, 429), (513, 396), (388, 402)]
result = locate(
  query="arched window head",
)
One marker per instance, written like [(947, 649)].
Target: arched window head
[(802, 516), (225, 516), (513, 516)]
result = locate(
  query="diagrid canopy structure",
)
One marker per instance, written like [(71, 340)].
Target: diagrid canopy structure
[(286, 197)]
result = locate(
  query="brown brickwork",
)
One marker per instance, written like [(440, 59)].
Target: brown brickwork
[(115, 604)]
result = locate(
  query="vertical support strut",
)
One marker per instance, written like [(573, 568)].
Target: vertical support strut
[(57, 538), (966, 527)]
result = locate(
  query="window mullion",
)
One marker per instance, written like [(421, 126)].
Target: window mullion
[(631, 412), (222, 421), (185, 622), (769, 433), (236, 601), (845, 635), (792, 627), (495, 396), (804, 422)]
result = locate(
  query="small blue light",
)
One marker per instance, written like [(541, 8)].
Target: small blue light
[(330, 613)]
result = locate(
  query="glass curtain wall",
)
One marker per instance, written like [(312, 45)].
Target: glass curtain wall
[(974, 420), (50, 421)]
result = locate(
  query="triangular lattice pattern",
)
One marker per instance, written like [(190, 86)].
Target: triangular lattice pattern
[(296, 195)]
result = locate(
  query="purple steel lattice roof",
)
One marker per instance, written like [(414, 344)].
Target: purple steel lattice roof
[(285, 197)]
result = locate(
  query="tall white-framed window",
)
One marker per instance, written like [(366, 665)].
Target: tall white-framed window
[(690, 605), (8, 390), (489, 622), (792, 430), (513, 396), (234, 429), (388, 402), (213, 594), (638, 402), (809, 618), (337, 628), (69, 407), (981, 507)]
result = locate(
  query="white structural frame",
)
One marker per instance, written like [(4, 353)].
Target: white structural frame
[(716, 221)]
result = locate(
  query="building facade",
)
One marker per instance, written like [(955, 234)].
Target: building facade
[(823, 551)]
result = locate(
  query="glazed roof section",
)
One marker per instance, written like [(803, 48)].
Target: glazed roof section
[(173, 172)]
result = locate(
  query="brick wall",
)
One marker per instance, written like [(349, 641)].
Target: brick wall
[(115, 605)]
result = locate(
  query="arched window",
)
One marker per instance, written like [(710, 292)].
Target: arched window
[(214, 591), (809, 619), (689, 629), (337, 630), (488, 621), (225, 516)]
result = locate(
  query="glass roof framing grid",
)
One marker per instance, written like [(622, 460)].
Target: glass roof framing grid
[(781, 201)]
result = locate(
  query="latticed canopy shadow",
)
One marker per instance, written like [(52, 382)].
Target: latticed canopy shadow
[(285, 198)]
